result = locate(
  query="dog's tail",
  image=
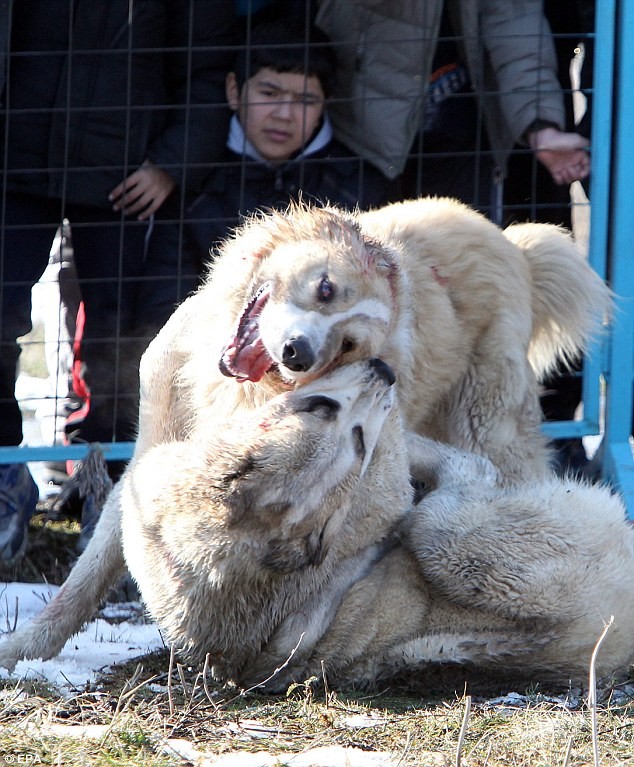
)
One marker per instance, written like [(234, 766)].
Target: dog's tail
[(571, 303)]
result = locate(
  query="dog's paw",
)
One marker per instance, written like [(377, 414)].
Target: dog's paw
[(9, 653)]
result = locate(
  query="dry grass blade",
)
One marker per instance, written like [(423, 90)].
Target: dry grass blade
[(264, 682), (181, 675), (170, 670), (403, 755), (592, 691), (463, 730), (325, 681), (127, 692), (206, 688), (10, 626)]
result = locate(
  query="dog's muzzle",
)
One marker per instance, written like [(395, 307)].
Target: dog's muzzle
[(298, 354)]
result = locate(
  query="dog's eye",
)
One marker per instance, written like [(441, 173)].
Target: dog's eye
[(347, 345), (244, 467), (325, 290), (359, 442), (320, 405)]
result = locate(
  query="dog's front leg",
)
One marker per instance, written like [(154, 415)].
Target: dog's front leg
[(76, 602)]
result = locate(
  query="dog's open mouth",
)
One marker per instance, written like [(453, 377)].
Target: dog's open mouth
[(245, 357)]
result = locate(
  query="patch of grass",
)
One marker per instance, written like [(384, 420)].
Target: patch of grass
[(50, 554), (138, 707)]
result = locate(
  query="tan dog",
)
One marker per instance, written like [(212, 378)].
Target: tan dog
[(465, 314), (274, 539), (447, 299)]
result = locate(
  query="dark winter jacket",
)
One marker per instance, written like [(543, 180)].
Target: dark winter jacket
[(145, 86), (326, 171)]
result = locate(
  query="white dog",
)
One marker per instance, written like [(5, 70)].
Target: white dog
[(465, 314), (287, 538), (285, 542)]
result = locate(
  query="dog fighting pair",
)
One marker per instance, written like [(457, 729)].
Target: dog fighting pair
[(340, 466)]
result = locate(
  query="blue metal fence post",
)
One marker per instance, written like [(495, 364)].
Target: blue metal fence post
[(619, 237)]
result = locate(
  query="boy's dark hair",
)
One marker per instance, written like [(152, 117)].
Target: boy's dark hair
[(287, 45)]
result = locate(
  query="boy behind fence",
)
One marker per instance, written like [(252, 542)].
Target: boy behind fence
[(280, 144)]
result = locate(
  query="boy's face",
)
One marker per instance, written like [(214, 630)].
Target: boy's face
[(279, 111)]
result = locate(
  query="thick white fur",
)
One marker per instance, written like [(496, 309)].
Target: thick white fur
[(449, 302), (270, 541)]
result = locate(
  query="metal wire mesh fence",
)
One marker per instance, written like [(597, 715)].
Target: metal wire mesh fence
[(117, 117)]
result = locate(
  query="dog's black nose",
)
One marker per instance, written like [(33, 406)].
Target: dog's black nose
[(298, 355), (383, 370)]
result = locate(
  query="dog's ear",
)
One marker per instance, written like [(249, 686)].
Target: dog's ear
[(376, 256), (251, 239)]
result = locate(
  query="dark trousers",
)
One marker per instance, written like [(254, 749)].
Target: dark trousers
[(127, 294)]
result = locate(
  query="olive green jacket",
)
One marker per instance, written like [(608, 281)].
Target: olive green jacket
[(385, 50)]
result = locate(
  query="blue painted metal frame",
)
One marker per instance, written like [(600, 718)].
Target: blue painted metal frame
[(113, 451), (616, 226), (611, 245)]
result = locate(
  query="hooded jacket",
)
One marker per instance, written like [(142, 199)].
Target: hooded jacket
[(385, 50), (325, 171)]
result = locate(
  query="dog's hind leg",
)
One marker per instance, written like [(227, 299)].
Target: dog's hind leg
[(551, 553), (78, 599)]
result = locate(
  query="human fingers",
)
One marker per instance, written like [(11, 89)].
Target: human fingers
[(568, 142), (137, 194), (138, 205), (126, 191), (143, 191), (555, 140), (565, 167)]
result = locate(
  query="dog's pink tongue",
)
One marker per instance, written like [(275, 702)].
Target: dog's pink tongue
[(245, 356), (251, 362)]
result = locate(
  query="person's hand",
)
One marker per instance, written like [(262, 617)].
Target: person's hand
[(563, 154), (143, 191)]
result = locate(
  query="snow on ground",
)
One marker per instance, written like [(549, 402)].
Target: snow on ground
[(98, 646), (102, 644)]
